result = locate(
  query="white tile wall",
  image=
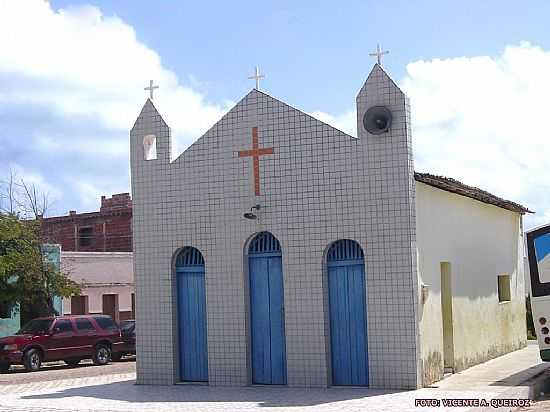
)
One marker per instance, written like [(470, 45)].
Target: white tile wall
[(319, 186)]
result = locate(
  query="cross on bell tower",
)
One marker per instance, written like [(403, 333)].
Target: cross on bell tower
[(150, 89), (379, 53), (257, 77)]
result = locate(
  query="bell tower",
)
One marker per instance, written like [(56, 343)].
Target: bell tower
[(383, 126)]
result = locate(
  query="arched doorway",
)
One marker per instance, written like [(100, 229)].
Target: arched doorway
[(193, 353), (267, 310), (347, 308)]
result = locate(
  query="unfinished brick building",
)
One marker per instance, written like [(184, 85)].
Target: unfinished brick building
[(96, 252), (107, 230)]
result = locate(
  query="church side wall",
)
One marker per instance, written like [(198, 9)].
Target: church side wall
[(480, 241)]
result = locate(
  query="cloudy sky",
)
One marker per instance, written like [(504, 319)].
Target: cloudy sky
[(72, 75)]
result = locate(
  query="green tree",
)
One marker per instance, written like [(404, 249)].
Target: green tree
[(26, 277)]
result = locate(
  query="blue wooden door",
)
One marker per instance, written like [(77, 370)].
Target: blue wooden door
[(267, 311), (192, 316), (348, 326)]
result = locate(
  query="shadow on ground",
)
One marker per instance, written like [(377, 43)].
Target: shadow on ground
[(126, 391), (59, 366), (520, 377)]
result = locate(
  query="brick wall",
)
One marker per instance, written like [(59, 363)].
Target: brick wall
[(108, 230)]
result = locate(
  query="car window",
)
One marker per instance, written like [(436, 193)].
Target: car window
[(84, 324), (106, 323), (37, 326), (127, 326), (63, 325)]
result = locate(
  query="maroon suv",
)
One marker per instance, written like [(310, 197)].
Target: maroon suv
[(67, 338)]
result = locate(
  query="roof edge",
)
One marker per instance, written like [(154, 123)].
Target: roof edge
[(454, 186)]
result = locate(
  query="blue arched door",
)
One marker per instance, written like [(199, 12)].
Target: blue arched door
[(192, 315), (267, 310), (348, 326)]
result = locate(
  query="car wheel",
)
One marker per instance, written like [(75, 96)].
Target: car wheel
[(32, 360), (72, 361), (4, 367), (115, 357), (102, 355)]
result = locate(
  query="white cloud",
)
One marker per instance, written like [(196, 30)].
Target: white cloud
[(346, 122), (482, 120), (478, 119), (22, 174), (79, 62)]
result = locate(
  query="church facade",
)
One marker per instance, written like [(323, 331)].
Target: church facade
[(279, 250)]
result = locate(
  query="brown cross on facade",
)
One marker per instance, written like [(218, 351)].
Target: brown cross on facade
[(255, 153)]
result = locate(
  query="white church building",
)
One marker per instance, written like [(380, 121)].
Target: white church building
[(278, 250)]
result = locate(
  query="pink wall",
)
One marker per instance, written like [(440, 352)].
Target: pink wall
[(100, 273)]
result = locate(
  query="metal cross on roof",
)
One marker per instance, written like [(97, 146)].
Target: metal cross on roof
[(257, 77), (150, 89), (379, 53)]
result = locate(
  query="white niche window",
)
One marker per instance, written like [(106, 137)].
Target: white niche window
[(150, 147)]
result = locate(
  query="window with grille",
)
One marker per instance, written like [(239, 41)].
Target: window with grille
[(85, 236)]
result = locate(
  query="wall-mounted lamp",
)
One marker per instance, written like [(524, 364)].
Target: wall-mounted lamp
[(250, 215)]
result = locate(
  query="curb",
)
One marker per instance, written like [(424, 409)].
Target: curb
[(531, 388)]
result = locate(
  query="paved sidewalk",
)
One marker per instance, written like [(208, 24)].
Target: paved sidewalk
[(499, 375), (118, 393), (52, 371)]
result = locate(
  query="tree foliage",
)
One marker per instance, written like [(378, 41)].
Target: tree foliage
[(26, 277)]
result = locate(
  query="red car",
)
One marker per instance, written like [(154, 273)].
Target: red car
[(67, 338), (128, 334)]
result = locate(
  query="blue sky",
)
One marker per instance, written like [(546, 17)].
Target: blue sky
[(72, 75), (315, 53)]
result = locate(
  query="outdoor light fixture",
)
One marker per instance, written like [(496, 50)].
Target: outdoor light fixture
[(250, 215)]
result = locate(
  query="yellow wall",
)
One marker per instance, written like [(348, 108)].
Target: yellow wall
[(480, 241)]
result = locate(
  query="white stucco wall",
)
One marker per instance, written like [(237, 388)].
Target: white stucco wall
[(480, 241), (100, 273)]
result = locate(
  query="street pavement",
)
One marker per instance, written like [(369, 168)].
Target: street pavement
[(54, 371), (112, 389)]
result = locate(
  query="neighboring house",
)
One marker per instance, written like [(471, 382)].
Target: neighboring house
[(10, 317), (279, 250), (470, 261), (106, 280), (97, 254), (107, 230)]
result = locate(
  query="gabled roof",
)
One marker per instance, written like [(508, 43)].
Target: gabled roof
[(441, 182), (459, 188)]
